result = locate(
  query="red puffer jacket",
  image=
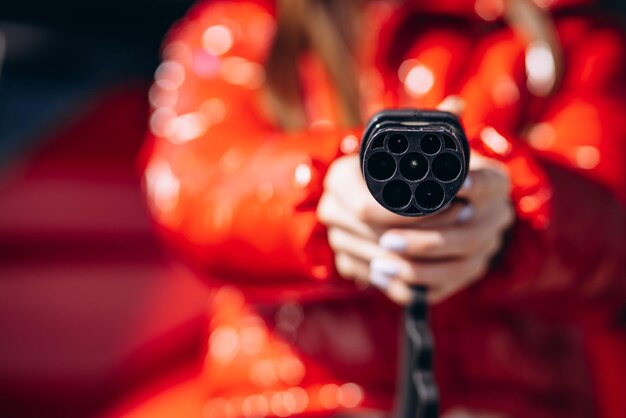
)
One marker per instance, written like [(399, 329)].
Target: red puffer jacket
[(542, 335)]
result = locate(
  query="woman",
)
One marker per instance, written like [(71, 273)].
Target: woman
[(252, 175)]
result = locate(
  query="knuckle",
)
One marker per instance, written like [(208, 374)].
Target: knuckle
[(400, 293), (329, 179), (322, 211), (336, 172), (335, 238), (343, 263), (429, 244), (410, 273), (363, 210), (395, 298)]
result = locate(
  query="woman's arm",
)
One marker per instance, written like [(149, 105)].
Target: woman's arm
[(226, 187), (559, 250), (568, 245)]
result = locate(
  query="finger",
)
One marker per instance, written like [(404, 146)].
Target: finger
[(449, 288), (365, 208), (452, 104), (428, 273), (459, 212), (331, 213), (345, 241), (396, 290), (481, 185), (345, 181), (464, 240), (350, 267), (454, 241), (485, 179), (399, 292)]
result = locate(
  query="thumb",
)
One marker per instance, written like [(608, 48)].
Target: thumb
[(452, 104)]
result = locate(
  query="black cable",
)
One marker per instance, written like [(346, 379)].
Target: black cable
[(420, 396)]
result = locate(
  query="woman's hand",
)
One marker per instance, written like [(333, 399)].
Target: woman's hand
[(448, 252), (445, 252), (466, 413), (355, 224)]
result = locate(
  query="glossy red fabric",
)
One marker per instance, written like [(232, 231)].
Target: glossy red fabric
[(539, 336)]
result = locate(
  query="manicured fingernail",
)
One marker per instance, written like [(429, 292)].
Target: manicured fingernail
[(385, 266), (467, 183), (379, 280), (466, 213), (393, 242)]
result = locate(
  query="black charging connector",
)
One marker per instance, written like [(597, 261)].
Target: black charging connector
[(414, 163)]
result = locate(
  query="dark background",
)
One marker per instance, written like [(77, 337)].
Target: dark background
[(58, 53)]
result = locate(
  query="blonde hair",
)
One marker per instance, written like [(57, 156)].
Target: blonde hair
[(327, 28)]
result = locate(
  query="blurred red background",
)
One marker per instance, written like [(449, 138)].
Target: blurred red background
[(89, 305)]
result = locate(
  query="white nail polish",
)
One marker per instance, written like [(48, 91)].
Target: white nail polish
[(385, 266), (393, 242), (466, 213), (379, 280), (467, 184)]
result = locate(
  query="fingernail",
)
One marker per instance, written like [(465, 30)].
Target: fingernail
[(385, 266), (379, 280), (466, 213), (393, 242), (467, 183)]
